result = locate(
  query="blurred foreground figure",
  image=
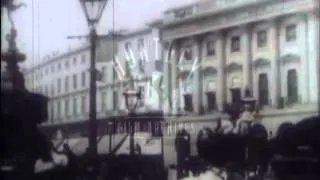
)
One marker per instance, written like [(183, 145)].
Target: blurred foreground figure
[(25, 150), (296, 151)]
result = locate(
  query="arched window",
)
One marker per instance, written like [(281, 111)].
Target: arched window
[(263, 86), (292, 86)]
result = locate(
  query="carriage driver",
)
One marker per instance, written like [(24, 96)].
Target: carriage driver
[(247, 115)]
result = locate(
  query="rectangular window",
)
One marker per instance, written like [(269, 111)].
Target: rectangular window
[(262, 38), (66, 64), (211, 50), (188, 52), (59, 85), (66, 83), (235, 44), (46, 90), (59, 66), (115, 100), (52, 112), (75, 106), (74, 61), (52, 90), (83, 59), (52, 68), (83, 79), (103, 73), (103, 101), (142, 90), (83, 104), (291, 32), (66, 107), (74, 79), (58, 109)]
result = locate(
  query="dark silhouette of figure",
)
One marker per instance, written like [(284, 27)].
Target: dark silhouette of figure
[(22, 142), (296, 150), (182, 145)]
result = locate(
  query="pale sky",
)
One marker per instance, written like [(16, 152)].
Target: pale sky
[(44, 24)]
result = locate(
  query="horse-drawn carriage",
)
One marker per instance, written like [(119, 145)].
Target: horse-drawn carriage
[(237, 151), (247, 149), (295, 151)]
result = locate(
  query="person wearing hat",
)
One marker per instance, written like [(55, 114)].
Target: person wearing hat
[(247, 115)]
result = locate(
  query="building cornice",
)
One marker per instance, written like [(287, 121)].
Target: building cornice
[(110, 36), (250, 14), (181, 7), (135, 33), (211, 12), (57, 57)]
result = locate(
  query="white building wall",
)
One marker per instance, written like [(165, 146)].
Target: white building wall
[(313, 51), (292, 48), (47, 75)]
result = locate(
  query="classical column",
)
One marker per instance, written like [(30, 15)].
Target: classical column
[(197, 80), (313, 60), (222, 82), (275, 65), (166, 96), (303, 61), (174, 78), (247, 66)]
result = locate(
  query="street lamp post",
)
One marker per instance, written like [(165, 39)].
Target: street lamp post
[(93, 10), (110, 131), (132, 98)]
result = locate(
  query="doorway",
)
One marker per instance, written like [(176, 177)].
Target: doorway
[(211, 100), (235, 95), (292, 86), (263, 89), (188, 106)]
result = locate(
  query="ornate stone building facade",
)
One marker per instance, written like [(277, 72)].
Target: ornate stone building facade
[(215, 52)]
